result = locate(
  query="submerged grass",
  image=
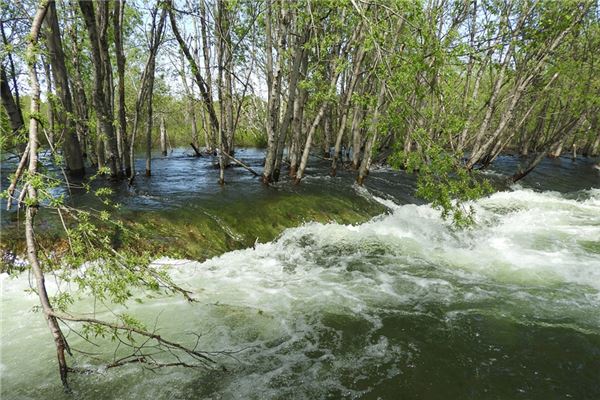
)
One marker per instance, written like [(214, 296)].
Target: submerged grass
[(197, 231)]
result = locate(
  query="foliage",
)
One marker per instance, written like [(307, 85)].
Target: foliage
[(444, 181)]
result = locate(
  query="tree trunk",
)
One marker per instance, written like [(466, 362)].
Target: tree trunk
[(32, 205), (191, 103), (210, 136), (313, 128), (80, 101), (8, 102), (146, 91), (294, 75), (194, 123), (297, 121), (97, 27), (360, 56), (595, 146), (163, 137), (363, 171), (224, 59), (200, 81), (149, 121), (122, 139), (51, 105), (72, 149), (274, 72), (100, 151), (357, 118), (556, 150), (306, 152), (327, 134)]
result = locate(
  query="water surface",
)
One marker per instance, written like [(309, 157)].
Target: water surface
[(402, 306)]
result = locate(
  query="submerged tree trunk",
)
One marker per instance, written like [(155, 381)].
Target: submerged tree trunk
[(313, 129), (163, 136), (122, 139), (194, 123), (346, 107), (200, 81), (72, 149), (149, 124), (363, 171), (191, 104), (145, 92), (357, 117), (307, 145), (80, 100), (210, 138), (297, 122), (274, 72), (97, 27), (562, 133)]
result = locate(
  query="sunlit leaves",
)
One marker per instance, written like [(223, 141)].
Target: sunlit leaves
[(443, 180)]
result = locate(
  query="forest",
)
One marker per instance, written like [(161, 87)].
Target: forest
[(326, 198)]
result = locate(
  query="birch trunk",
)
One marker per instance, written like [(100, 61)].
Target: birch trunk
[(274, 87), (357, 117), (313, 128), (296, 127), (363, 171), (346, 105), (289, 110)]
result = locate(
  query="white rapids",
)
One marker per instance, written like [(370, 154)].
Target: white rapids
[(342, 311)]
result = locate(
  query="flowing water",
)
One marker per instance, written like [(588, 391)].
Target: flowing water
[(400, 307)]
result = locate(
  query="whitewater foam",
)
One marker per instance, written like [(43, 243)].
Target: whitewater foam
[(328, 308)]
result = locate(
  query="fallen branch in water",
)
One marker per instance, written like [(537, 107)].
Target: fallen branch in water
[(164, 345), (198, 153), (241, 164)]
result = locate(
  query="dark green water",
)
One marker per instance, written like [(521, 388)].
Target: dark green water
[(400, 307)]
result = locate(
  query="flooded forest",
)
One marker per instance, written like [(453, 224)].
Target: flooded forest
[(300, 199)]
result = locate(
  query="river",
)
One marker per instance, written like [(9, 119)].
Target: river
[(400, 307)]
